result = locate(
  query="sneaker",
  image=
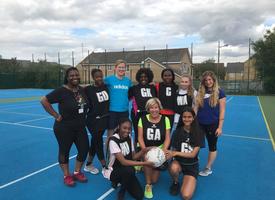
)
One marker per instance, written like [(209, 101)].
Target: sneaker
[(148, 192), (90, 168), (174, 188), (205, 172), (69, 181), (80, 177), (138, 168)]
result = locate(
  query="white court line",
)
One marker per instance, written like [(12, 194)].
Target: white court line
[(247, 137), (25, 125), (20, 107), (32, 120), (102, 197), (17, 104), (229, 99), (20, 113), (29, 175)]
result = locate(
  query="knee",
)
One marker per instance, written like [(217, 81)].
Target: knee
[(174, 167), (186, 195)]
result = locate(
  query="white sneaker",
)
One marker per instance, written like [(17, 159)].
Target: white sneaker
[(205, 172), (90, 168)]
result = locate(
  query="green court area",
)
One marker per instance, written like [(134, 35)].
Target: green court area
[(268, 108), (14, 100)]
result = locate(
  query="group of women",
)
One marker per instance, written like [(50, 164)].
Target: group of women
[(173, 117)]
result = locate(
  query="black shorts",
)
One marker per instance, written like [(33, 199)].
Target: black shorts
[(212, 139), (191, 170), (114, 118)]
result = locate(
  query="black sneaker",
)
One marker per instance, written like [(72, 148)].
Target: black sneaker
[(175, 188)]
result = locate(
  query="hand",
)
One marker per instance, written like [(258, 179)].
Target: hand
[(168, 154), (58, 118), (149, 163), (218, 132)]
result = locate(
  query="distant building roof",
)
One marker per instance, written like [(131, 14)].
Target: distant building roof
[(235, 67), (160, 55)]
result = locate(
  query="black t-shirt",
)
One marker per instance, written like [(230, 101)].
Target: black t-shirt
[(99, 101), (182, 141), (167, 95), (142, 93), (125, 146), (71, 105), (183, 100), (153, 133)]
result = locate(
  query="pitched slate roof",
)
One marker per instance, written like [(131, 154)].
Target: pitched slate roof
[(160, 55), (235, 67)]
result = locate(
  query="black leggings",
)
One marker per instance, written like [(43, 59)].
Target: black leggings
[(96, 144), (211, 137), (67, 134), (126, 176)]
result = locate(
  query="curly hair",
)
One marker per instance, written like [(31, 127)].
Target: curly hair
[(214, 98), (147, 71)]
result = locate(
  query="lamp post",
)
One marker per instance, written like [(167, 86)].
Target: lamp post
[(219, 47)]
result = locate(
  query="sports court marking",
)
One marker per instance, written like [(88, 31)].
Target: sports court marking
[(267, 126), (102, 197), (22, 113), (20, 107), (33, 120), (246, 137), (18, 104), (25, 125), (29, 175), (229, 99)]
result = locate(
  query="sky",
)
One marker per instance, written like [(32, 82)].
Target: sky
[(39, 28)]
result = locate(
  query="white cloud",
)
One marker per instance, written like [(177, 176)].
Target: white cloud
[(36, 26)]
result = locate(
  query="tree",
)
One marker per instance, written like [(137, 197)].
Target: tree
[(265, 60), (209, 65)]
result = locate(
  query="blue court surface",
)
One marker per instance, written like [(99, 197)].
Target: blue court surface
[(244, 168)]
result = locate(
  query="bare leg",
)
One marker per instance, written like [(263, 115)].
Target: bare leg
[(211, 158), (78, 166), (188, 187), (65, 169)]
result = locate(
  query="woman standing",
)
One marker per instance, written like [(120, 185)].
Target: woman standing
[(121, 161), (153, 130), (69, 126), (185, 146), (166, 92), (140, 94), (97, 119), (210, 103), (185, 96)]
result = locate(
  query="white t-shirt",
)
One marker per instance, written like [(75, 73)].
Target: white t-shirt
[(113, 149)]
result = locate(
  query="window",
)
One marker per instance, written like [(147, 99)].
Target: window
[(148, 65), (128, 68), (109, 67)]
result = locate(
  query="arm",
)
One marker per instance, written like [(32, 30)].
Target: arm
[(167, 140), (126, 162), (140, 138), (141, 153), (48, 107), (222, 103), (193, 154)]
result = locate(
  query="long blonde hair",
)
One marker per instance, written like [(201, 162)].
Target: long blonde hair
[(190, 89), (214, 98)]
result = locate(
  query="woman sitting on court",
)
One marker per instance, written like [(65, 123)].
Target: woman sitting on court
[(153, 130), (185, 145), (69, 125), (122, 159)]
